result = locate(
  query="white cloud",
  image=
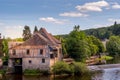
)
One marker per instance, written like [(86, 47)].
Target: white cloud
[(13, 31), (116, 6), (113, 20), (73, 14), (52, 20), (93, 6)]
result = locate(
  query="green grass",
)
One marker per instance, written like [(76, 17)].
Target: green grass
[(2, 71), (105, 58), (31, 72), (35, 72)]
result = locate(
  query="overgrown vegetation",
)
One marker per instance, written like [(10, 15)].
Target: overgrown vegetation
[(61, 68), (80, 46), (2, 71), (113, 45), (35, 72), (76, 68), (104, 32), (5, 51)]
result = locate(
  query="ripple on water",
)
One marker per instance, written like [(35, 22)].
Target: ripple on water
[(108, 74)]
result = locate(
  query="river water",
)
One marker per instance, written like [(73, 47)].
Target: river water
[(106, 74)]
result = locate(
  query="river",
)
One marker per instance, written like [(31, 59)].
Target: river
[(106, 74)]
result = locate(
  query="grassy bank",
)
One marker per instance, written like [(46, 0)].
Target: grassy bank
[(76, 68), (35, 72), (2, 72), (61, 68)]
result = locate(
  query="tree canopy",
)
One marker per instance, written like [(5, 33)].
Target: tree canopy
[(5, 51), (26, 33), (113, 45), (104, 32), (80, 46), (35, 29)]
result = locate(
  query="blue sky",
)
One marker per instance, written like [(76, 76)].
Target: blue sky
[(57, 16)]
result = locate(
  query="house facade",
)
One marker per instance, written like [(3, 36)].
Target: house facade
[(41, 51)]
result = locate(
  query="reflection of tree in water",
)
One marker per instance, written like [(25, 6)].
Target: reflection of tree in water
[(20, 77), (83, 77), (36, 77), (12, 77)]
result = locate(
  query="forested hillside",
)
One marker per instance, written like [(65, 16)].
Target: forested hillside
[(104, 32)]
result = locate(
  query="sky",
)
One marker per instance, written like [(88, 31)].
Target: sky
[(57, 16)]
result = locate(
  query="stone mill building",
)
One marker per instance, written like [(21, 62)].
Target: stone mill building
[(41, 51)]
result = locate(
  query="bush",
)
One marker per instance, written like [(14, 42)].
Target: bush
[(2, 71), (31, 72), (76, 68), (61, 68), (79, 68), (35, 72)]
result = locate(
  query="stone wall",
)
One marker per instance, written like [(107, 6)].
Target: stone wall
[(36, 63)]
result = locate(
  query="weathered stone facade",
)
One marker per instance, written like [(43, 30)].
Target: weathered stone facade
[(41, 51)]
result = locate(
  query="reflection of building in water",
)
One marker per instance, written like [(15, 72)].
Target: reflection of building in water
[(41, 51)]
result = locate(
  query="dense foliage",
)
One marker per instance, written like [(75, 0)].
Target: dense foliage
[(35, 72), (104, 32), (26, 33), (2, 71), (5, 50), (61, 68), (31, 72), (80, 46), (113, 45), (76, 68), (79, 68), (35, 29)]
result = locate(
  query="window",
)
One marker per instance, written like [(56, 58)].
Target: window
[(41, 51), (43, 60), (30, 61), (28, 51), (14, 52), (51, 56)]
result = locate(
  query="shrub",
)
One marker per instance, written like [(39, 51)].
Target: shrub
[(106, 58), (35, 72), (31, 72), (79, 68), (76, 68), (2, 71), (61, 68)]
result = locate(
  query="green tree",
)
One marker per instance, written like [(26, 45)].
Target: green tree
[(77, 46), (5, 50), (63, 41), (98, 45), (104, 32), (92, 46), (35, 29), (113, 45), (26, 33), (18, 39)]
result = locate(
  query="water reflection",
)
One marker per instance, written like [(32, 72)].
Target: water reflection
[(107, 74), (20, 77)]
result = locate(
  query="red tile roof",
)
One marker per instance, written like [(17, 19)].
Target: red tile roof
[(41, 38), (49, 36)]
